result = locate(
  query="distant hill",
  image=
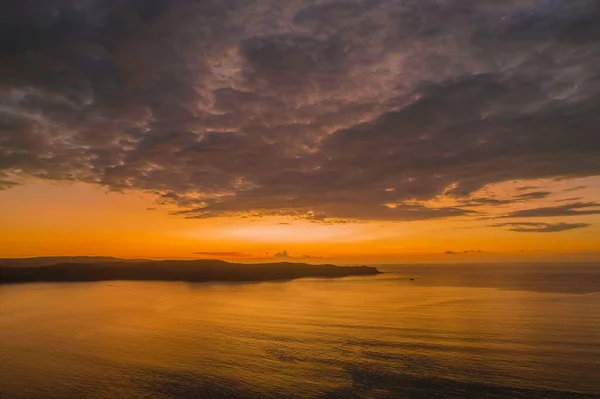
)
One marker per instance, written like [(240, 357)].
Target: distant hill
[(169, 270), (53, 260)]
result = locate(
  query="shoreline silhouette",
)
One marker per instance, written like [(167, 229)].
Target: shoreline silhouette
[(29, 271)]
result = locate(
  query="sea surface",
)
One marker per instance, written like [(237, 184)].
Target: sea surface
[(455, 331)]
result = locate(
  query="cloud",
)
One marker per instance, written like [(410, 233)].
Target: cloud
[(310, 257), (573, 209), (469, 251), (575, 188), (533, 195), (479, 201), (345, 110), (568, 199), (526, 188), (282, 254), (530, 227), (223, 254), (6, 184), (285, 255)]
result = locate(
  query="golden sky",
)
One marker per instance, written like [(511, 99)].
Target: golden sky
[(49, 219)]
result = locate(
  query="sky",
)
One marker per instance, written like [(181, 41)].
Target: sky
[(379, 131)]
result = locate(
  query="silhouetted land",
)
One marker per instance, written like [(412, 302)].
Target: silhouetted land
[(169, 270), (55, 260)]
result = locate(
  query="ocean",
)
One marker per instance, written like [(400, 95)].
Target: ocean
[(453, 331)]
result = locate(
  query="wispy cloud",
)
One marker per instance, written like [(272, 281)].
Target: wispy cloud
[(519, 198), (468, 251), (526, 188), (531, 227), (573, 209), (575, 188), (285, 255), (569, 199)]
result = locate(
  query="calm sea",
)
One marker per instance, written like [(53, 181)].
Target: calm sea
[(477, 331)]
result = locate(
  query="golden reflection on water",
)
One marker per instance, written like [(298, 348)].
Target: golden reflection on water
[(367, 337)]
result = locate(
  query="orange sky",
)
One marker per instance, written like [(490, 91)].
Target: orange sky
[(41, 218)]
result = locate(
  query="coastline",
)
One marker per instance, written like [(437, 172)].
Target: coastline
[(176, 270)]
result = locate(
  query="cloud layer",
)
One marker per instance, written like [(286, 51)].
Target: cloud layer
[(314, 109), (531, 227), (572, 209)]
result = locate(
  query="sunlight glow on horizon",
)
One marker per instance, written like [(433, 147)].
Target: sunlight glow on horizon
[(132, 225)]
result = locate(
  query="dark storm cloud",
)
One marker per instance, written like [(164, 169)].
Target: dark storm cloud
[(530, 227), (573, 209), (351, 110)]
